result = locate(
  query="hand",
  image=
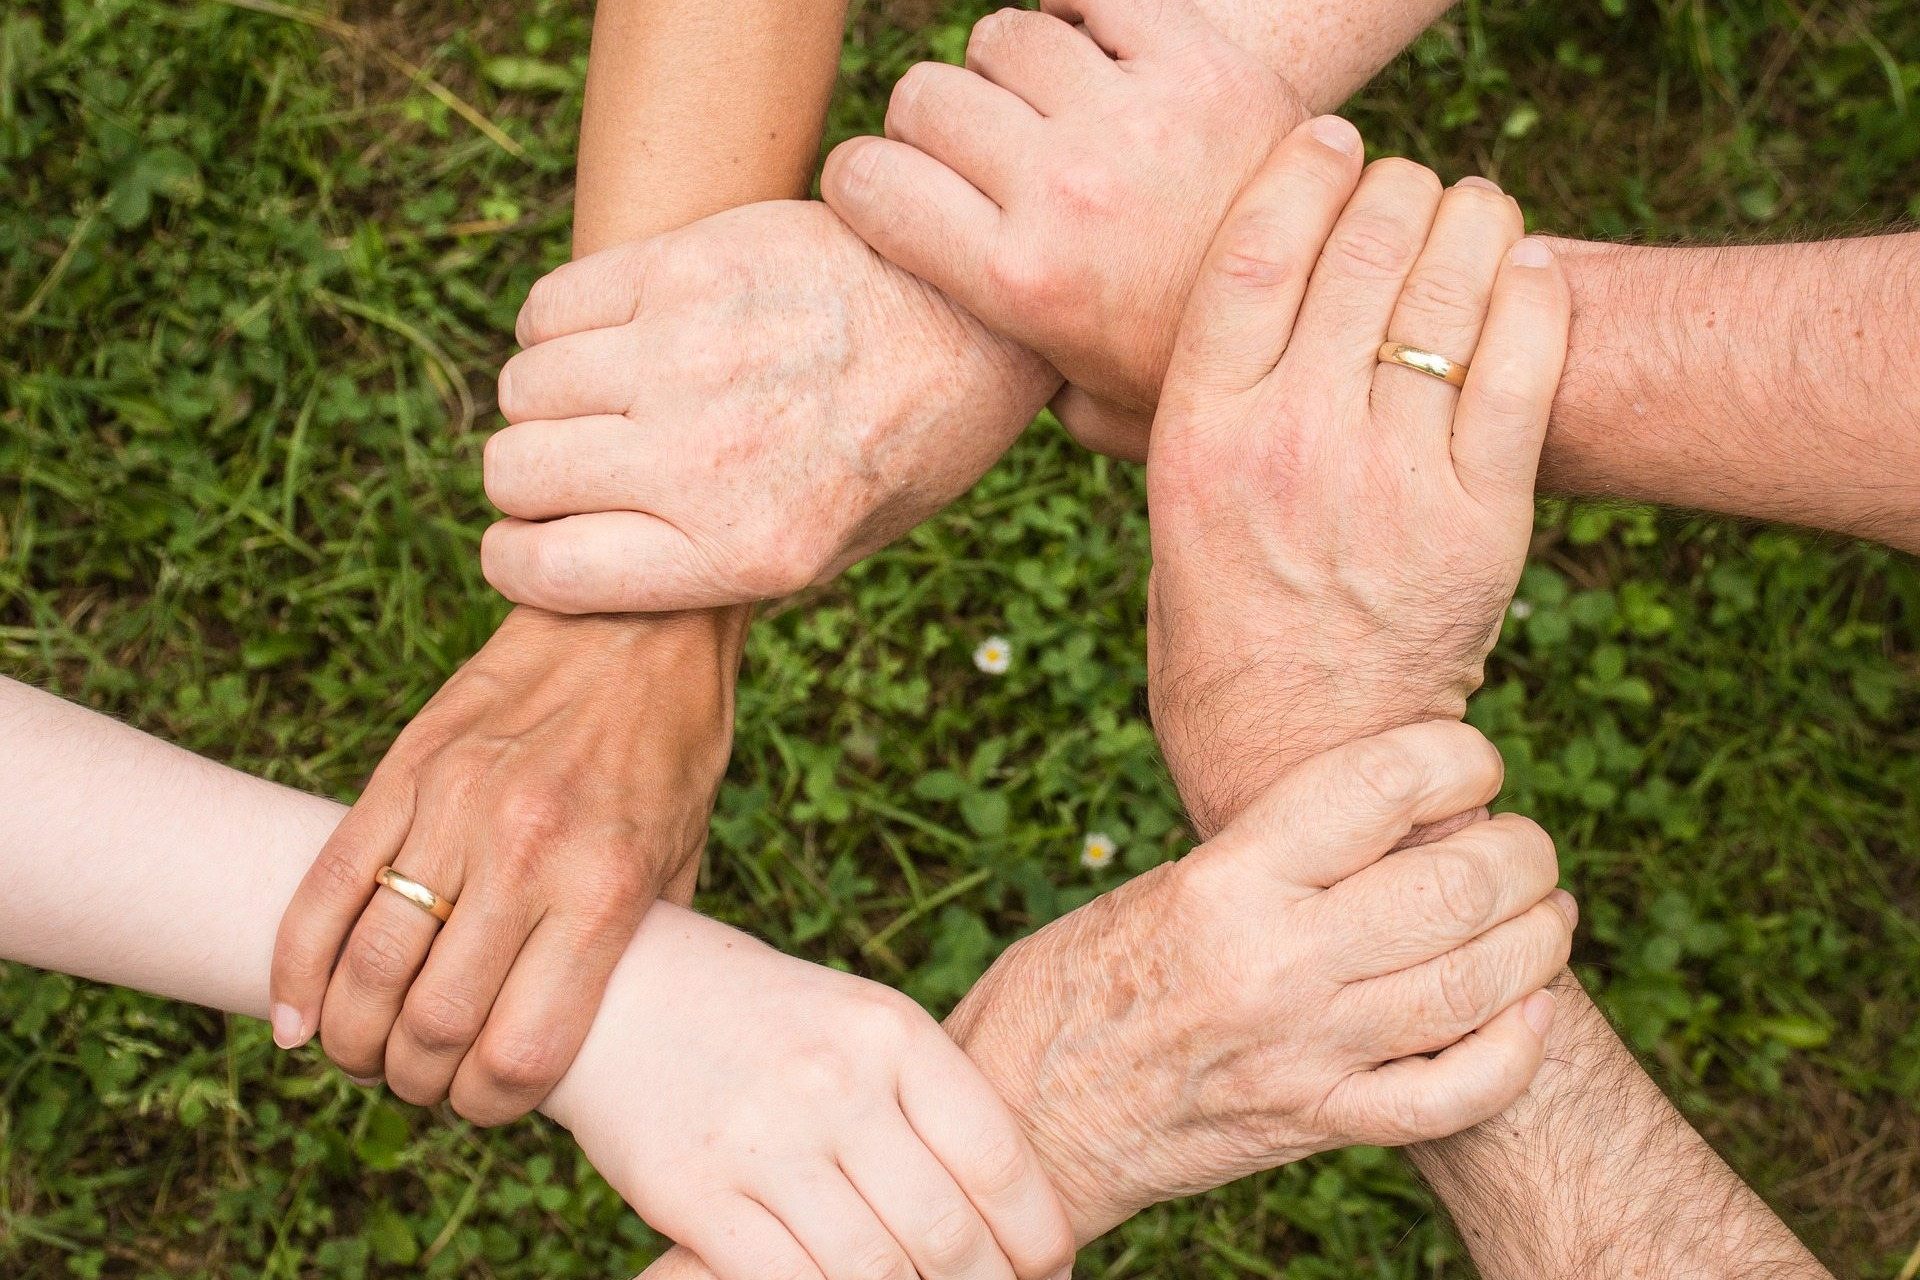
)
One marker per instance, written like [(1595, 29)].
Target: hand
[(1336, 539), (556, 785), (781, 1119), (733, 412), (1065, 185), (1270, 995)]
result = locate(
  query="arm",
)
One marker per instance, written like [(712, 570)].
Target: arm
[(590, 748), (778, 324), (1769, 382), (123, 859), (1762, 382), (1140, 1066), (1593, 1173)]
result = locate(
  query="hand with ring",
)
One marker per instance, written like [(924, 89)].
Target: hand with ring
[(1341, 469)]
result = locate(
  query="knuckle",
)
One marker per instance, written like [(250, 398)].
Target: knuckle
[(1248, 252), (378, 958), (1384, 774), (1459, 889), (1460, 989), (442, 1022), (521, 1064), (526, 823), (1090, 191), (878, 1258), (998, 1162), (1372, 246), (1444, 290), (993, 30), (1028, 280), (953, 1237), (909, 91), (339, 874)]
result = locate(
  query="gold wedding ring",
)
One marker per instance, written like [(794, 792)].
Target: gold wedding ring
[(1430, 363), (416, 893)]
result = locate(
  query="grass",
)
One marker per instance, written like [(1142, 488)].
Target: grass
[(257, 265)]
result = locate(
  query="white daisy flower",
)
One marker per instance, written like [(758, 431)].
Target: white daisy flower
[(993, 656), (1097, 850), (1521, 610)]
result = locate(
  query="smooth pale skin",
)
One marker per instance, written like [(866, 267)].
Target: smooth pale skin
[(1377, 958)]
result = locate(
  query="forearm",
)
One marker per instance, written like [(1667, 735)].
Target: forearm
[(1326, 49), (697, 107), (127, 860), (1769, 382), (1593, 1174)]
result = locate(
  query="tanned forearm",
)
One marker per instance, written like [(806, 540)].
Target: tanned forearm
[(695, 106), (1769, 382), (692, 107), (1594, 1176)]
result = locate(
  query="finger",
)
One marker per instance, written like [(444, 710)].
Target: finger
[(918, 214), (1240, 313), (919, 1202), (1426, 901), (1130, 29), (604, 562), (602, 290), (1417, 1099), (388, 945), (1047, 63), (541, 1016), (967, 1127), (1342, 810), (974, 127), (740, 1239), (543, 469), (1444, 306), (1431, 1005), (1501, 421), (448, 1003), (1102, 426), (837, 1228), (573, 376), (1361, 272), (331, 896)]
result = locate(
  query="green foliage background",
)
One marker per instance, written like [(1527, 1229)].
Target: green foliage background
[(254, 280)]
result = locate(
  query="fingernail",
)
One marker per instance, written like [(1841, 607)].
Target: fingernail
[(1337, 133), (1476, 180), (289, 1028), (1530, 252), (365, 1082), (1568, 907), (1538, 1011)]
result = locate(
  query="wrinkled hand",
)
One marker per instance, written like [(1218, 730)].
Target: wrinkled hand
[(1336, 539), (733, 412), (781, 1119), (1272, 994), (1065, 185), (552, 789)]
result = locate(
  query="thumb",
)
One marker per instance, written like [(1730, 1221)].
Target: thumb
[(1240, 314)]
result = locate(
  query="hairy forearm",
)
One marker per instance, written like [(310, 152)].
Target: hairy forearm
[(1594, 1174), (1769, 382), (1325, 49)]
